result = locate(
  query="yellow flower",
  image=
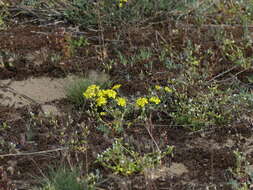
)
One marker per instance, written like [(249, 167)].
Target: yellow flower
[(115, 87), (102, 113), (141, 102), (167, 89), (110, 93), (101, 93), (121, 102), (101, 101), (195, 62), (157, 87), (121, 2), (91, 91), (128, 172), (155, 99)]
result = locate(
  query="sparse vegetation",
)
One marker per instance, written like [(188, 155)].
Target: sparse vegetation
[(162, 82), (122, 159)]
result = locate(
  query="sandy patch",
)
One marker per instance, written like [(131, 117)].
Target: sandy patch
[(31, 91), (176, 169)]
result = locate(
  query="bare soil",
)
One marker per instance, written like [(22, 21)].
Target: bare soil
[(200, 160)]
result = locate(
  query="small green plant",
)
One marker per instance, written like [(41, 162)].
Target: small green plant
[(55, 58), (123, 60), (4, 126), (144, 54), (80, 42), (210, 107), (121, 158), (236, 54), (75, 43), (71, 44)]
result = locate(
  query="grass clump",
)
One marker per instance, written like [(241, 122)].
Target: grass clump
[(74, 89), (64, 179)]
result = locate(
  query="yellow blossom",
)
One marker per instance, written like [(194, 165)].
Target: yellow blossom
[(195, 62), (101, 101), (101, 93), (102, 113), (157, 87), (121, 2), (91, 91), (167, 89), (115, 87), (110, 93), (141, 102), (121, 102), (155, 99)]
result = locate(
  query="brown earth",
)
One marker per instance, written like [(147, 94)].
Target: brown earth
[(201, 159)]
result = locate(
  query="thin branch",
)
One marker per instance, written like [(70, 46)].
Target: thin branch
[(223, 73), (149, 127), (34, 153)]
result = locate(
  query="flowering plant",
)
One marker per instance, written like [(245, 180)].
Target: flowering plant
[(107, 106), (113, 111)]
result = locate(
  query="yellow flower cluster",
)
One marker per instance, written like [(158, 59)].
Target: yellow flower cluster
[(107, 93), (117, 86), (101, 96), (155, 99), (157, 87), (121, 102), (103, 113), (141, 102), (101, 101), (91, 91), (166, 89)]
